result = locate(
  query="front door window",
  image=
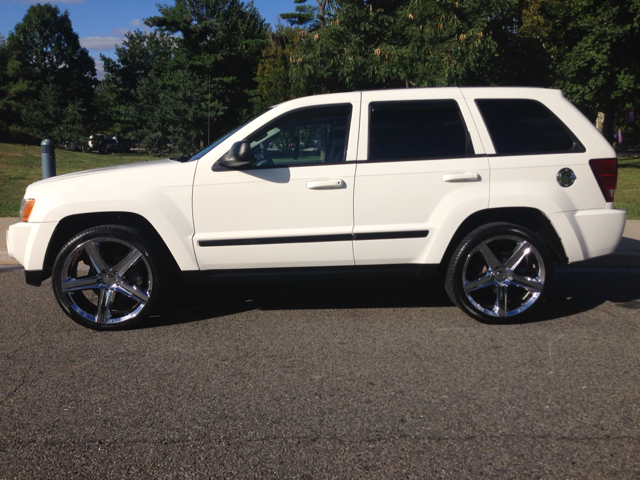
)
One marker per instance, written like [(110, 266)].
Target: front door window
[(304, 137)]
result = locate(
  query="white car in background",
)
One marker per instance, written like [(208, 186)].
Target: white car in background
[(487, 188)]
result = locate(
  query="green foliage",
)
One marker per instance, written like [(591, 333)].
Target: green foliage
[(158, 88), (221, 40), (209, 64), (305, 16), (519, 58), (593, 44), (176, 111), (628, 192), (48, 82), (394, 43), (53, 115), (274, 80), (140, 56)]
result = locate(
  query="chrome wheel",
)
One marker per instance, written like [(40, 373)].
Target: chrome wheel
[(499, 271), (104, 280), (503, 276)]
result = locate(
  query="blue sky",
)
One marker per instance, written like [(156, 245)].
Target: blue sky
[(101, 24)]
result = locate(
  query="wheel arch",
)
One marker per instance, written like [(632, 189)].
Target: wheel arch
[(530, 218), (74, 224)]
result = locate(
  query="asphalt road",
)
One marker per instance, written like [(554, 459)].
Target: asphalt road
[(341, 380)]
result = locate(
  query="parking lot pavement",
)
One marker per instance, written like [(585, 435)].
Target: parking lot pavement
[(310, 380)]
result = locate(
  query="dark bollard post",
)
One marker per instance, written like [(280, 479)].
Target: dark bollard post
[(48, 156)]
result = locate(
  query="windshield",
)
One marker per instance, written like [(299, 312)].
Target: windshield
[(202, 153)]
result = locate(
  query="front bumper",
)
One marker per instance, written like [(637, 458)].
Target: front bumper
[(27, 243), (34, 278)]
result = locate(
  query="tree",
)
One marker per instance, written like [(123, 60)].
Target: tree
[(140, 55), (593, 44), (173, 108), (273, 76), (307, 17), (4, 62), (304, 17), (49, 78), (519, 58), (221, 41), (395, 43)]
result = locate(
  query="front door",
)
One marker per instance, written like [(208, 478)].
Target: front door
[(293, 207)]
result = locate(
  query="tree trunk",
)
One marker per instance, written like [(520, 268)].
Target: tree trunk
[(600, 121), (321, 6), (607, 126)]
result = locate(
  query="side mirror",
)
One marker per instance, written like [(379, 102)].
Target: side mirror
[(239, 156)]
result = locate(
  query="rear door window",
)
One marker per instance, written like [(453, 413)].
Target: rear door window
[(412, 130), (525, 127)]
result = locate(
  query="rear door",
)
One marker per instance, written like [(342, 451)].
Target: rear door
[(421, 172)]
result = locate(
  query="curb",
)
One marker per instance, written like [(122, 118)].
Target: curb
[(5, 259)]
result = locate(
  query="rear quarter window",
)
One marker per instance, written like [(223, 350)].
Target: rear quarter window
[(526, 127)]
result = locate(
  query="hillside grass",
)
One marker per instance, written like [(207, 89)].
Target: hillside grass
[(20, 165), (628, 192)]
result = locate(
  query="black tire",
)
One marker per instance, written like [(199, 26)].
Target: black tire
[(91, 290), (500, 273)]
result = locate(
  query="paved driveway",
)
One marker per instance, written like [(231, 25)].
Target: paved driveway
[(367, 380)]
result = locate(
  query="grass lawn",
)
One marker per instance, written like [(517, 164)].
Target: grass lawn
[(20, 166), (628, 192)]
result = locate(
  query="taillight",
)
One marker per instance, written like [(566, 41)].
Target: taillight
[(606, 173)]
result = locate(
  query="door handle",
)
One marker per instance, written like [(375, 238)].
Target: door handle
[(325, 184), (461, 177)]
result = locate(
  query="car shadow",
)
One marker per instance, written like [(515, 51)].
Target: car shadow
[(576, 290), (194, 302)]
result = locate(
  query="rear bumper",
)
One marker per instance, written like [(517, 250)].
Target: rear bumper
[(589, 233)]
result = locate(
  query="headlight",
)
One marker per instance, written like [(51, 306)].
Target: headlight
[(26, 207)]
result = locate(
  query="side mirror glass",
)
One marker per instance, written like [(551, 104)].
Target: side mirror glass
[(239, 156)]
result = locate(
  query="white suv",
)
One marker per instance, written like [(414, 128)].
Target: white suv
[(487, 187)]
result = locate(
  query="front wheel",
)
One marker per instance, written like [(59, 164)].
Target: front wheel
[(105, 278), (498, 272)]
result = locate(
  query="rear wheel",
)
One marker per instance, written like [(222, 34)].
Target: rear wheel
[(498, 272), (105, 278)]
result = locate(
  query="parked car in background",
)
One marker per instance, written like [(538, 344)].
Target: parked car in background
[(102, 143), (70, 146), (111, 145), (485, 188), (95, 141)]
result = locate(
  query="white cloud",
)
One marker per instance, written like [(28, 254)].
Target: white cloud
[(136, 22), (99, 68), (101, 43)]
